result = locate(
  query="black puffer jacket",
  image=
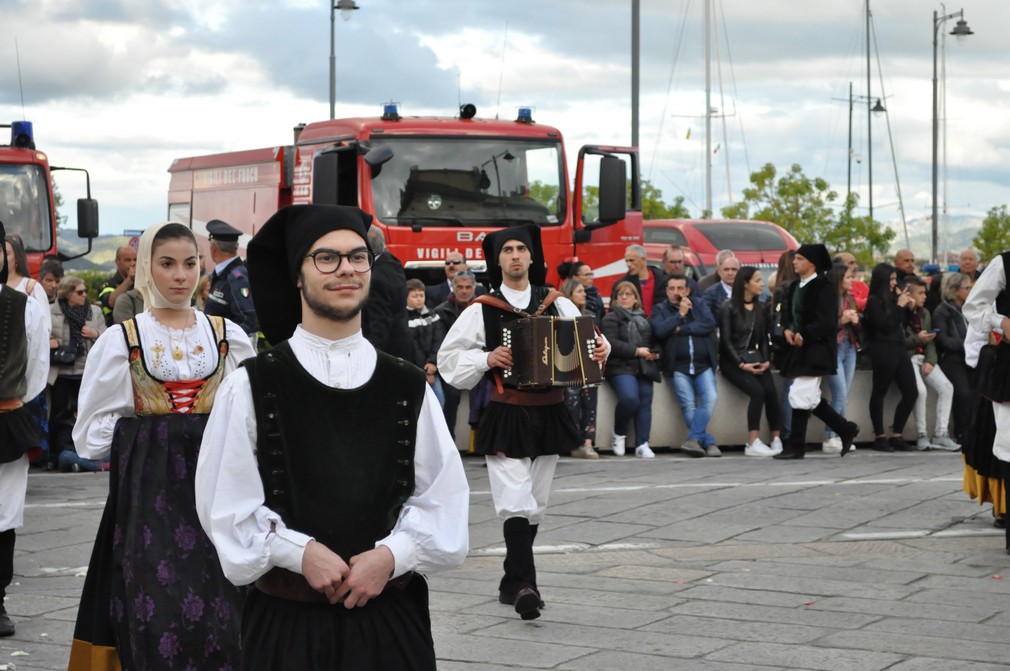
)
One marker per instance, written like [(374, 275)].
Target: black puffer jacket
[(622, 360)]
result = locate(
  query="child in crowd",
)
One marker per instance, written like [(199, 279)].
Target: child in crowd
[(426, 334), (919, 337)]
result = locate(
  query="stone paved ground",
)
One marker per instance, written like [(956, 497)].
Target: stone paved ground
[(870, 562)]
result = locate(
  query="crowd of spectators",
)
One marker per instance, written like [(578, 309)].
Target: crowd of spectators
[(666, 324)]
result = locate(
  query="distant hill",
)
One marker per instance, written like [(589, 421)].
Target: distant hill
[(102, 257), (961, 231)]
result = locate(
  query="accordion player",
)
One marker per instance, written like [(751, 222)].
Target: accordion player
[(551, 352)]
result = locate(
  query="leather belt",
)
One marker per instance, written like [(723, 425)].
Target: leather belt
[(519, 397), (8, 404), (284, 584)]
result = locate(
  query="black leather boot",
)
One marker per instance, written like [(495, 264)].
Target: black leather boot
[(796, 447), (519, 555), (6, 576), (845, 429)]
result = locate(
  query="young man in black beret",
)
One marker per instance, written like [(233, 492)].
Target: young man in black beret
[(327, 477), (521, 432), (812, 304)]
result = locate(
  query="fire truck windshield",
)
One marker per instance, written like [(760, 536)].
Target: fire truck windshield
[(464, 181), (24, 205)]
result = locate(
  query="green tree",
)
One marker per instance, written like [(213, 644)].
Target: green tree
[(545, 194), (994, 237), (797, 203), (803, 206), (862, 237), (61, 219), (653, 206)]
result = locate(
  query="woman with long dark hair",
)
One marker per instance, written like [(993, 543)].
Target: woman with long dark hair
[(885, 344), (778, 283), (744, 361), (841, 277), (155, 596), (581, 401)]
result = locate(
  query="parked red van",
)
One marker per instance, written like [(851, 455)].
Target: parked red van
[(755, 243)]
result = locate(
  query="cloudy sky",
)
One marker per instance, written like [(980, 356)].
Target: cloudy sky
[(122, 87)]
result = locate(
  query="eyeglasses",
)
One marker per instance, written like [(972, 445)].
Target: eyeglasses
[(454, 262), (964, 288), (328, 261), (80, 292)]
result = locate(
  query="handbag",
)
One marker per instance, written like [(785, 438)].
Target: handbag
[(752, 356), (62, 355)]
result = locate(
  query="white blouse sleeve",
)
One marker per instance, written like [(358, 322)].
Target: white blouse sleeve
[(37, 329), (106, 395), (229, 491), (239, 346), (462, 360), (39, 294), (979, 309)]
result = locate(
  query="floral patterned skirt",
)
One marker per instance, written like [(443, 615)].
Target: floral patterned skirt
[(154, 590)]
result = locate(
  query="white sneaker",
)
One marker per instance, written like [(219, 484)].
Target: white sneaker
[(922, 443), (944, 442), (644, 451), (758, 449), (776, 445), (832, 445), (617, 445)]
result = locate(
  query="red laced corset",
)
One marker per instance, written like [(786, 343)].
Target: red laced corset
[(183, 394)]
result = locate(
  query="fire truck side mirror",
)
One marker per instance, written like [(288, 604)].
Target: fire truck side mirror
[(613, 188), (377, 156), (87, 218)]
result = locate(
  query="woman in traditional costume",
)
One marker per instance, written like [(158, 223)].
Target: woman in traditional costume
[(155, 596), (987, 442)]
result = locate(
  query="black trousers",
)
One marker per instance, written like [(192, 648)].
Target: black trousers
[(6, 562), (891, 363), (963, 379), (762, 393)]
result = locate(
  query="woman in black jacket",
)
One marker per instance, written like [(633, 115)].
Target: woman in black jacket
[(947, 317), (743, 358), (631, 369), (883, 329)]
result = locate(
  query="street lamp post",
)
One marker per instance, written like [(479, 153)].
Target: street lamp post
[(960, 31), (875, 108), (346, 8)]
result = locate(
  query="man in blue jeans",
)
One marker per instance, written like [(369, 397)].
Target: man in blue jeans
[(689, 361)]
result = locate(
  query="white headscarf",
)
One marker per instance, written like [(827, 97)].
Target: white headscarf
[(144, 282)]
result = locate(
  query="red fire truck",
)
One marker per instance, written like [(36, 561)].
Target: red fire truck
[(27, 207), (434, 186)]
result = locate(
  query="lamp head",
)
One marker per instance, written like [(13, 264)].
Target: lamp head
[(961, 31), (346, 9)]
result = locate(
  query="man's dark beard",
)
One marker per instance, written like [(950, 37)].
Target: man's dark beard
[(330, 312)]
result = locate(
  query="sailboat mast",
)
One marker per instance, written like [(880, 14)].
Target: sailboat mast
[(869, 114), (708, 109)]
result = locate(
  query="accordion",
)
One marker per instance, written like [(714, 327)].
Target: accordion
[(551, 352)]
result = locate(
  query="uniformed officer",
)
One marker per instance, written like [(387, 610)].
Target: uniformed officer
[(229, 283)]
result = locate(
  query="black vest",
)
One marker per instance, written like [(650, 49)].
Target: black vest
[(337, 464), (13, 344), (495, 318)]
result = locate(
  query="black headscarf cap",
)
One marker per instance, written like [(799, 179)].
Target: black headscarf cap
[(275, 254)]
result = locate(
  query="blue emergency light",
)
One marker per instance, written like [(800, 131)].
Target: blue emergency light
[(525, 115), (22, 135), (390, 112)]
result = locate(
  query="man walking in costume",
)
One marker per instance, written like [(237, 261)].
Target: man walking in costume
[(328, 477), (811, 303), (521, 433), (24, 365)]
